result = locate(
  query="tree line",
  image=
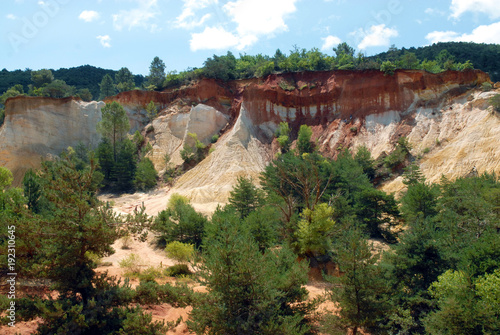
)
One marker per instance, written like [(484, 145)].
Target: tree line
[(440, 275)]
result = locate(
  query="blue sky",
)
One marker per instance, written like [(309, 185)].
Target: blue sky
[(112, 34)]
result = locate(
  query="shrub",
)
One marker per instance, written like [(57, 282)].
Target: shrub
[(353, 129), (131, 264), (388, 68), (486, 87), (177, 270), (495, 102), (214, 138), (150, 274), (427, 150), (126, 242), (181, 252)]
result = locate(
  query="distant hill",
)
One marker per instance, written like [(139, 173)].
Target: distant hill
[(85, 76), (485, 57)]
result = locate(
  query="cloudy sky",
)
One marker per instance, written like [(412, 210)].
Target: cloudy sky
[(111, 34)]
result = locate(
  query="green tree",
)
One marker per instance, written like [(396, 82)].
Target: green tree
[(42, 77), (156, 75), (145, 175), (360, 291), (263, 224), (315, 231), (283, 137), (107, 87), (304, 144), (181, 252), (14, 91), (58, 89), (84, 94), (180, 222), (194, 152), (151, 111), (220, 67), (125, 167), (114, 124), (364, 158), (388, 68), (33, 191), (247, 292), (245, 197), (124, 80), (457, 312)]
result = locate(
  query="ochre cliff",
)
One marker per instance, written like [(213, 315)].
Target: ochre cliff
[(36, 127), (345, 108)]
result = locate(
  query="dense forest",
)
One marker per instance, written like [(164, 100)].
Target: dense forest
[(80, 77)]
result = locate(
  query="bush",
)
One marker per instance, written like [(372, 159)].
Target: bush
[(388, 68), (495, 102), (181, 252), (214, 138), (486, 87), (150, 274), (131, 264), (177, 270)]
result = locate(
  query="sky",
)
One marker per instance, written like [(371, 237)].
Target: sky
[(111, 34)]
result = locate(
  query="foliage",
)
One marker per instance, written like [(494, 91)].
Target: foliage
[(495, 102), (360, 290), (13, 91), (304, 144), (263, 224), (193, 150), (151, 111), (107, 87), (84, 94), (145, 176), (178, 270), (181, 252), (180, 222), (124, 80), (399, 155), (388, 68), (364, 158), (245, 197), (315, 230), (114, 124), (283, 137), (247, 292), (220, 67), (156, 73), (131, 264), (42, 77)]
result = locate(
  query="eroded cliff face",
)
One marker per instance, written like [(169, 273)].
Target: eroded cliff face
[(36, 127), (345, 108)]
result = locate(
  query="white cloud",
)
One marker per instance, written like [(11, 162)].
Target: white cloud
[(11, 16), (105, 40), (188, 18), (329, 42), (377, 36), (434, 11), (137, 17), (89, 15), (488, 7), (482, 34), (256, 18), (213, 38)]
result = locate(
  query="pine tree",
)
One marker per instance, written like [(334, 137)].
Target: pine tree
[(107, 87), (245, 197), (247, 292), (360, 290)]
